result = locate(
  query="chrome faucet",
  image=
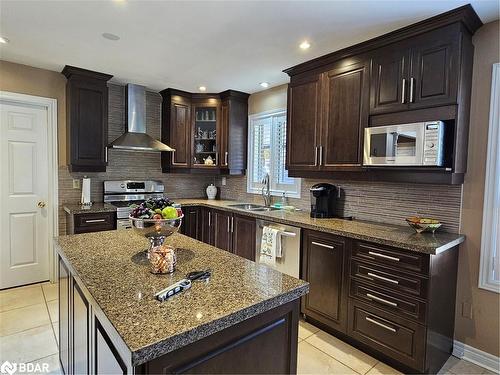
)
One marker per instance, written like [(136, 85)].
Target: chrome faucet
[(267, 193)]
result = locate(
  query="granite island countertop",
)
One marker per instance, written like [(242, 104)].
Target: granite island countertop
[(114, 270), (399, 236), (76, 208)]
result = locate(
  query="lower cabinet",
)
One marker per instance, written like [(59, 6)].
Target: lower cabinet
[(324, 267), (222, 229), (84, 346)]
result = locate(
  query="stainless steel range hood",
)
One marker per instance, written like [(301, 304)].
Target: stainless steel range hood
[(135, 137)]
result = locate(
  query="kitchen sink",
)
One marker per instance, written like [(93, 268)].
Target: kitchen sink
[(252, 207)]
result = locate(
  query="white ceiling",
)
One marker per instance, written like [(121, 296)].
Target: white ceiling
[(185, 44)]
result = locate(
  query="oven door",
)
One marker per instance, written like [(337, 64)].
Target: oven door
[(123, 224), (398, 145)]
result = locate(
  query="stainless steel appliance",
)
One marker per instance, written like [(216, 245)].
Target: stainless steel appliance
[(122, 194), (289, 263), (416, 144), (323, 200)]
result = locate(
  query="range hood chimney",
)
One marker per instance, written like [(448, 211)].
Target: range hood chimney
[(135, 137)]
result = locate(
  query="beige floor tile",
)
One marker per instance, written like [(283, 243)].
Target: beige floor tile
[(461, 367), (28, 345), (50, 291), (20, 297), (53, 307), (313, 361), (55, 325), (53, 364), (17, 320), (342, 352), (383, 369), (306, 329)]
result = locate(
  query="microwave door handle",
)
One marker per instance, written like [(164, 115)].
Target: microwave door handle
[(394, 146)]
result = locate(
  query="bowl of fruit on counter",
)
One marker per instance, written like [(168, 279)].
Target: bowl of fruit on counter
[(156, 218)]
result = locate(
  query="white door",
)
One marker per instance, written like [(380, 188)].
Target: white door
[(24, 246)]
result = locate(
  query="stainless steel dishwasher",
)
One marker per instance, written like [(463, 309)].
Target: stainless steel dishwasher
[(289, 263)]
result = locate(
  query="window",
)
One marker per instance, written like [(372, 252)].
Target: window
[(489, 272), (266, 154)]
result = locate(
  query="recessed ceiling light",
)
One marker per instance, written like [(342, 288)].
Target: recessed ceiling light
[(4, 40), (305, 45), (110, 36), (202, 88), (264, 84)]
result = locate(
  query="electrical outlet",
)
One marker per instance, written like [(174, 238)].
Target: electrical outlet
[(76, 183), (467, 310), (223, 181)]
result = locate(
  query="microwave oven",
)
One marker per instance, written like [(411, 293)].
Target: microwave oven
[(416, 144)]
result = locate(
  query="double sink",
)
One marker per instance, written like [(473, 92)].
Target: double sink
[(252, 207)]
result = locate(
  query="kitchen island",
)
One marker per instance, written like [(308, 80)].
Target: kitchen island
[(244, 319)]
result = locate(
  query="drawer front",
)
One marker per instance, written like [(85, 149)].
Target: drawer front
[(388, 278), (390, 256), (95, 222), (391, 302), (395, 337)]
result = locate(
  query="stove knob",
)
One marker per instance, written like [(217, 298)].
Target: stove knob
[(122, 186), (430, 145)]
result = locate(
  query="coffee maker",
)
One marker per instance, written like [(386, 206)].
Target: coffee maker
[(324, 200)]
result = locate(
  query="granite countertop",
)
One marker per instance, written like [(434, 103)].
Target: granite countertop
[(76, 208), (392, 235), (112, 267)]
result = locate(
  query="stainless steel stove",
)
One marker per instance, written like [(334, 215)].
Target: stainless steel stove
[(122, 194)]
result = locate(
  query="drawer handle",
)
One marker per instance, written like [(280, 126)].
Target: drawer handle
[(323, 245), (368, 319), (383, 256), (381, 300), (375, 276), (95, 221)]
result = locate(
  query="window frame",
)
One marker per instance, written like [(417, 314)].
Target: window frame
[(490, 247), (256, 188)]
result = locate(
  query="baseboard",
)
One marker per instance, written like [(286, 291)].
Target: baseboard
[(480, 358)]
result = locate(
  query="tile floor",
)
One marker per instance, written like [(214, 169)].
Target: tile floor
[(29, 333)]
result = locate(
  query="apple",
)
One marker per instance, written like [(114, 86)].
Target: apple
[(169, 213)]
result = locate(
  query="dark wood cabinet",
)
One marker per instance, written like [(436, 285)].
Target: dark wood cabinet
[(323, 266), (191, 223), (107, 360), (344, 115), (87, 119), (64, 318), (304, 111), (205, 126), (90, 222), (389, 79), (81, 331), (421, 72), (207, 225), (223, 235), (243, 229)]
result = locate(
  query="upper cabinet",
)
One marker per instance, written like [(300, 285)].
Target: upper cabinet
[(87, 119), (422, 72), (207, 131), (417, 73)]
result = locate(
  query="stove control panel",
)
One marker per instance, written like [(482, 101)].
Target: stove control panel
[(127, 186)]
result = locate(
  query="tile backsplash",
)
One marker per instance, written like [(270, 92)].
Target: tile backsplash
[(375, 201)]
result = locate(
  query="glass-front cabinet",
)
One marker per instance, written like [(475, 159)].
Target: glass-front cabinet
[(206, 140)]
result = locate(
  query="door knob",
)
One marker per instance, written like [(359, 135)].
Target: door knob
[(41, 204)]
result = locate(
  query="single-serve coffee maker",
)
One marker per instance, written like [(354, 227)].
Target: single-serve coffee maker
[(324, 200)]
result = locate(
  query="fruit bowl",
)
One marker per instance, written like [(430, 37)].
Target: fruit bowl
[(156, 228), (422, 224)]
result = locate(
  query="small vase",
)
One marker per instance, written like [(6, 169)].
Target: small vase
[(211, 191)]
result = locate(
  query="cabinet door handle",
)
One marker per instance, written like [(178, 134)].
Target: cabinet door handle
[(209, 219), (106, 154), (383, 256), (368, 319), (95, 221), (403, 89), (320, 155), (323, 245), (228, 224), (225, 157), (412, 80), (381, 300), (375, 276), (232, 224), (216, 158), (316, 156)]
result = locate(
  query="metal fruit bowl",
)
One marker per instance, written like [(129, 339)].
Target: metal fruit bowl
[(156, 227), (423, 224)]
